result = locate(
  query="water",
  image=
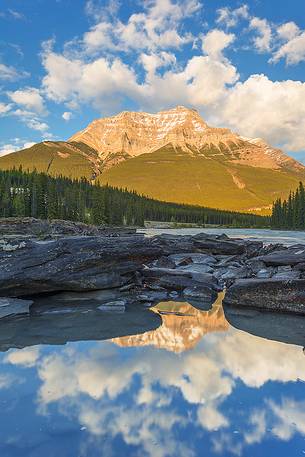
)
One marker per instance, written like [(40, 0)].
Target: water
[(192, 385), (175, 381), (266, 235)]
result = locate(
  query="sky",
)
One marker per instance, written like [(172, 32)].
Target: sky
[(64, 63)]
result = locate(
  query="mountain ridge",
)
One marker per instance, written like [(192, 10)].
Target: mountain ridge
[(174, 156), (130, 134)]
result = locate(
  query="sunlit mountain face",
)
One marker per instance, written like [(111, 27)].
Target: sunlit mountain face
[(194, 386)]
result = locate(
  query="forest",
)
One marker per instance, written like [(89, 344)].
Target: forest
[(290, 214), (38, 195)]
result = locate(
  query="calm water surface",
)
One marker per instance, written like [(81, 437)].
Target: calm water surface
[(191, 385)]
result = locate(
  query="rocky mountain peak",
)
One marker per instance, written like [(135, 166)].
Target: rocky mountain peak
[(130, 134)]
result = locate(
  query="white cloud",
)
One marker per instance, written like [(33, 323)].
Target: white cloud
[(6, 381), (8, 73), (215, 42), (211, 419), (25, 357), (157, 27), (35, 124), (4, 108), (293, 51), (15, 145), (230, 17), (288, 31), (276, 113), (259, 426), (263, 41), (16, 14), (290, 418), (67, 115), (29, 98)]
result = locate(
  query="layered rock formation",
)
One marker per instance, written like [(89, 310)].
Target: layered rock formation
[(130, 134)]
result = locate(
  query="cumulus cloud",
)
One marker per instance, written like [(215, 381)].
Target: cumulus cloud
[(262, 42), (230, 17), (276, 112), (15, 145), (96, 70), (288, 30), (157, 27), (215, 42), (29, 98), (25, 357), (293, 51)]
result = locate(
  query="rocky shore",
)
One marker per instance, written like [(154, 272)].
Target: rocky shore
[(119, 268)]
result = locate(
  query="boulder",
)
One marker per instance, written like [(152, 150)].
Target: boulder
[(200, 293), (271, 294), (284, 257), (76, 264), (189, 258)]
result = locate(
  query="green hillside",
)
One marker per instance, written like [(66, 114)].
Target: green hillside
[(54, 158), (170, 176), (166, 175)]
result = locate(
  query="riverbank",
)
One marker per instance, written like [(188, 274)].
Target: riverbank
[(117, 270)]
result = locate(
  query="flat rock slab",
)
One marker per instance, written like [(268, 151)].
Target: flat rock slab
[(14, 306), (284, 257), (270, 294)]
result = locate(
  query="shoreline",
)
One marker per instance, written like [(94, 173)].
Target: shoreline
[(118, 268)]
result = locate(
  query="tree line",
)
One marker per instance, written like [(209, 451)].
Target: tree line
[(290, 213), (38, 195)]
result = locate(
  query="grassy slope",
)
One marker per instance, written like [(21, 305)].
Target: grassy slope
[(40, 156), (166, 175)]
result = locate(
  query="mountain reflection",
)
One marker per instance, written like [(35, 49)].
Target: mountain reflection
[(183, 326), (215, 390)]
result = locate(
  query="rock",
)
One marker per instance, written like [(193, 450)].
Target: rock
[(287, 275), (14, 306), (158, 272), (164, 262), (236, 273), (272, 294), (265, 273), (284, 257), (200, 292), (286, 328), (31, 227), (195, 268), (178, 283), (73, 264), (255, 265), (227, 247), (113, 306), (197, 258)]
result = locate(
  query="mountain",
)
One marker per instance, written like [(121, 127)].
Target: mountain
[(56, 158), (183, 326), (172, 155)]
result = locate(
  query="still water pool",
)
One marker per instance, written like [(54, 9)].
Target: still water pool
[(191, 385)]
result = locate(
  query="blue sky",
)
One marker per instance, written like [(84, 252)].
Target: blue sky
[(65, 62)]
